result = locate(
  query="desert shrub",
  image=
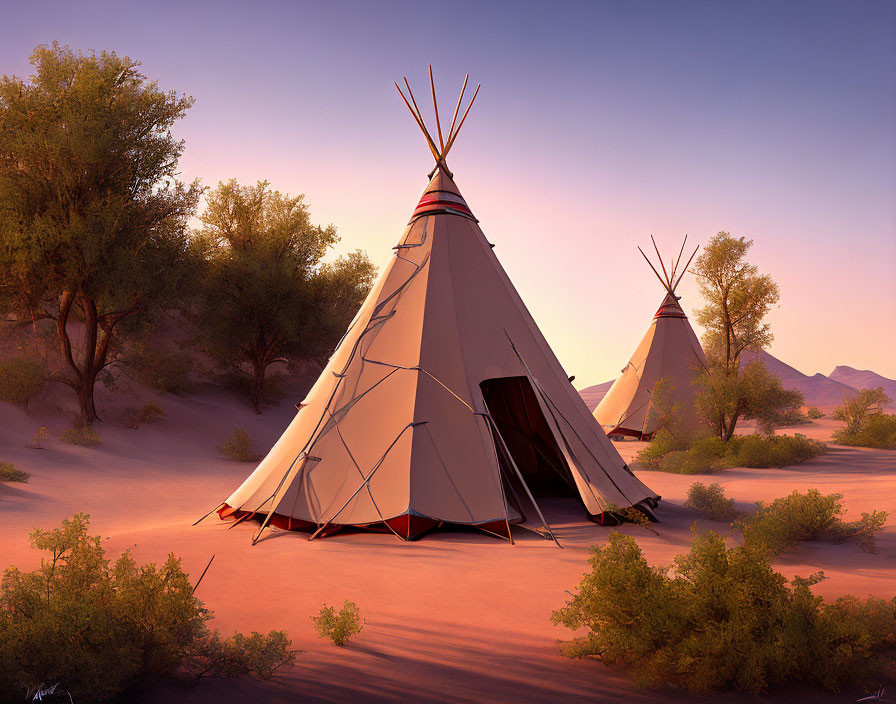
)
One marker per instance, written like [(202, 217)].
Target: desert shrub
[(813, 413), (164, 368), (708, 454), (789, 417), (798, 518), (867, 402), (8, 473), (338, 627), (81, 435), (876, 430), (100, 628), (39, 438), (21, 378), (147, 413), (238, 447), (772, 450), (722, 619), (711, 502)]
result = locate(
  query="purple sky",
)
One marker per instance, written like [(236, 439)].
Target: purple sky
[(598, 124)]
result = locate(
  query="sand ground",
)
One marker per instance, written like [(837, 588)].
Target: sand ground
[(455, 617)]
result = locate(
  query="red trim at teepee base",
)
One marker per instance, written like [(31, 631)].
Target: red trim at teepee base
[(630, 433), (408, 526)]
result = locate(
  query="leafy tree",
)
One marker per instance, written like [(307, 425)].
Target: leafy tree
[(100, 628), (737, 297), (856, 410), (266, 297), (22, 378), (92, 219), (751, 393)]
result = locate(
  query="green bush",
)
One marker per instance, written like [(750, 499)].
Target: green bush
[(722, 619), (21, 378), (147, 413), (39, 438), (164, 368), (238, 447), (99, 629), (8, 473), (798, 518), (338, 627), (814, 413), (708, 454), (763, 451), (876, 430), (81, 435), (711, 502)]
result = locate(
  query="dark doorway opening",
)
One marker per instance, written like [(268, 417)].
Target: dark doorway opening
[(514, 408)]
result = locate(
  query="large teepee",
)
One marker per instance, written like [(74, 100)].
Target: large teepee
[(442, 404), (668, 350)]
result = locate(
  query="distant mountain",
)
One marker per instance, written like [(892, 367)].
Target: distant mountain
[(593, 394), (864, 379), (817, 390)]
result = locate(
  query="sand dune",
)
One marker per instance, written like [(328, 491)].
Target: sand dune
[(455, 617)]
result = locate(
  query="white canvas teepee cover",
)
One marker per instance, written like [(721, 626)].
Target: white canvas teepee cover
[(669, 350), (396, 432)]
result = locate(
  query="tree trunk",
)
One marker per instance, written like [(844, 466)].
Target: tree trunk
[(97, 336), (257, 393)]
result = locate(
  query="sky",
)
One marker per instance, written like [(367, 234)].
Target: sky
[(598, 125)]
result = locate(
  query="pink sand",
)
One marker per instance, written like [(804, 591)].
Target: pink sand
[(455, 617)]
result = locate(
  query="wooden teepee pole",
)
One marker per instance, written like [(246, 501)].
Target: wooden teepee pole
[(684, 271), (457, 131), (656, 249), (652, 267), (419, 120), (676, 262), (457, 107), (435, 106)]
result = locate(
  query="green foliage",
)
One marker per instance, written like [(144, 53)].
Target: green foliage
[(711, 502), (763, 451), (265, 297), (752, 392), (798, 518), (708, 454), (866, 423), (238, 447), (8, 473), (814, 413), (147, 413), (92, 218), (100, 628), (338, 627), (39, 438), (164, 368), (21, 378), (866, 403), (256, 656), (737, 298), (877, 430), (723, 619), (81, 435)]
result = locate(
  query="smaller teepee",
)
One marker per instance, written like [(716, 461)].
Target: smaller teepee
[(669, 350)]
